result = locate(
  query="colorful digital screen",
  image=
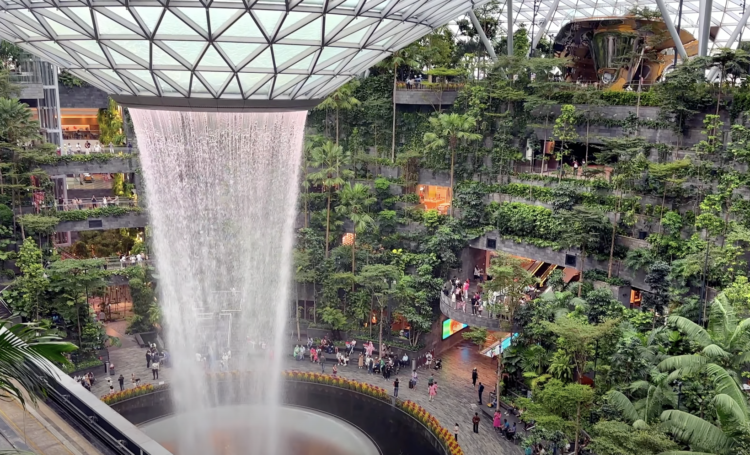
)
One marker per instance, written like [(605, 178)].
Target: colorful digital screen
[(450, 327)]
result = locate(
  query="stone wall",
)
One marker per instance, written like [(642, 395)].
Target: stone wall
[(82, 97), (129, 220), (430, 177), (425, 97), (115, 165)]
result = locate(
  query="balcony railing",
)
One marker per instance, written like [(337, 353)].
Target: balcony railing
[(76, 204), (431, 86), (26, 71)]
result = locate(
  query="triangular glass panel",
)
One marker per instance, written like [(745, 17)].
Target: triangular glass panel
[(121, 59), (107, 26), (89, 61), (197, 15), (143, 91), (63, 30), (301, 66), (171, 25), (139, 48), (30, 32), (332, 22), (215, 80), (166, 89), (233, 88), (352, 27), (188, 50), (332, 54), (262, 61), (160, 59), (198, 87), (114, 78), (374, 5), (283, 53), (245, 27), (219, 17), (84, 14), (142, 77), (269, 20), (293, 21), (181, 78), (312, 83), (310, 33), (150, 16), (355, 37), (250, 80), (282, 82), (237, 52), (212, 58), (123, 14), (264, 91), (93, 47)]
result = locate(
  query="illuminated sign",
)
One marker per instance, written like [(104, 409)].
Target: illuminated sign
[(450, 327)]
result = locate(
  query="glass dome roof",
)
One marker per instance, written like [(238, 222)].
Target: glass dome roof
[(229, 50)]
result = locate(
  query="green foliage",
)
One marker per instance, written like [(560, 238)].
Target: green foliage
[(110, 125), (82, 215), (477, 335), (69, 80), (144, 299), (39, 224), (617, 438)]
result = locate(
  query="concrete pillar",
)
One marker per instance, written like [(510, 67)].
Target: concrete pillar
[(509, 7), (482, 36)]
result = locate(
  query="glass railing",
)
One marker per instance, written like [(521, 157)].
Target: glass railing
[(26, 71)]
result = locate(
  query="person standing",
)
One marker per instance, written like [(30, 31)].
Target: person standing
[(497, 421), (155, 369), (433, 390), (121, 380), (395, 388), (430, 381), (133, 379), (481, 390), (475, 421), (322, 363), (474, 377), (455, 432), (361, 361), (148, 359)]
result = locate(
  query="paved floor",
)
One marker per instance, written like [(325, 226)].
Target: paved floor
[(456, 401)]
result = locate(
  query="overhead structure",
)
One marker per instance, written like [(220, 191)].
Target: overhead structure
[(726, 15), (180, 55), (482, 36), (544, 26)]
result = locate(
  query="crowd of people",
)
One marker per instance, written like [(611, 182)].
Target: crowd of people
[(479, 302)]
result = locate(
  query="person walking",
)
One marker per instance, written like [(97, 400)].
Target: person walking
[(322, 363), (455, 432), (481, 390), (148, 359), (475, 421), (361, 361), (121, 380), (155, 369), (414, 377), (430, 381), (433, 391), (395, 388), (474, 377)]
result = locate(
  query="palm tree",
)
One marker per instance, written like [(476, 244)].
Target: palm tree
[(656, 394), (729, 61), (331, 160), (341, 99), (23, 357), (17, 127), (402, 57), (354, 203), (447, 130)]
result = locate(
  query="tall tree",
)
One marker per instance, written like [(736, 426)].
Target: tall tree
[(331, 161), (585, 229), (447, 131), (402, 57), (379, 280), (565, 130), (729, 62), (341, 100), (354, 203)]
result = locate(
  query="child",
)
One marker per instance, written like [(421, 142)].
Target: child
[(335, 370), (455, 432)]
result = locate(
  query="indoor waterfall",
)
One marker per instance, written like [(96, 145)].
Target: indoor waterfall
[(221, 192)]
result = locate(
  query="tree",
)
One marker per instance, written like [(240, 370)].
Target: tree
[(144, 301), (354, 203), (657, 299), (379, 280), (341, 99), (565, 130), (589, 98), (331, 160), (448, 129), (414, 305), (511, 280), (24, 350), (617, 438), (402, 57), (729, 61), (585, 229), (33, 281), (654, 395), (577, 337)]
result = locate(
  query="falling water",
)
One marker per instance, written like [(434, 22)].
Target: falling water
[(221, 190)]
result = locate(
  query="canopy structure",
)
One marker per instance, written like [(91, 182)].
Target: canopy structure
[(725, 17), (251, 52)]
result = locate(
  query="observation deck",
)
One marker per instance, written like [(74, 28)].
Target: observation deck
[(427, 94), (472, 320)]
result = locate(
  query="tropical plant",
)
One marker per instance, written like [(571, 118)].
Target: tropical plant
[(448, 130), (23, 356), (354, 203), (331, 160), (646, 399), (341, 100), (402, 57)]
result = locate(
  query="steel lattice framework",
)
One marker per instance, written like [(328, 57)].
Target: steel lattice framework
[(228, 50), (725, 14)]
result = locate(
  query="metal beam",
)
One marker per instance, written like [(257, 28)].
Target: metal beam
[(704, 24), (732, 38), (672, 31), (509, 7), (544, 26), (482, 36)]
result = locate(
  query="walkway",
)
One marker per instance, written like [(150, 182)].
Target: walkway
[(456, 401)]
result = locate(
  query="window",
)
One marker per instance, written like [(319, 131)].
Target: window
[(491, 244), (95, 224), (570, 260)]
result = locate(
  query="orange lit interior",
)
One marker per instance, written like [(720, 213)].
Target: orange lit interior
[(435, 197), (348, 238), (635, 298)]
